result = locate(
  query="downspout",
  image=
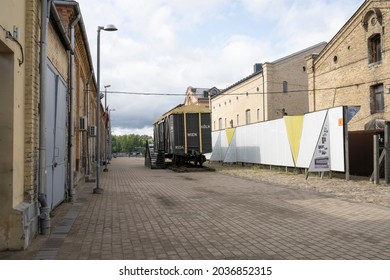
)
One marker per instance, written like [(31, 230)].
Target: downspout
[(71, 105), (44, 216), (262, 74), (314, 87), (88, 138)]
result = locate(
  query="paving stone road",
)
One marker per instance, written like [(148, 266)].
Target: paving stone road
[(160, 214)]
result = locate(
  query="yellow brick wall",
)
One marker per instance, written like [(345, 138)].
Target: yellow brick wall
[(31, 98), (57, 53), (341, 75), (82, 72), (235, 101)]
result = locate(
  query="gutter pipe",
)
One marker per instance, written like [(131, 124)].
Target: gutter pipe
[(44, 216), (262, 74), (88, 138), (71, 105)]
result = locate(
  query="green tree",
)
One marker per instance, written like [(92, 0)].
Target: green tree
[(129, 143)]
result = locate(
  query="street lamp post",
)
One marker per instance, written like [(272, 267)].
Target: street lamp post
[(109, 27), (106, 130)]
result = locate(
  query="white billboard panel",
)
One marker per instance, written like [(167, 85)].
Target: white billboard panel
[(312, 126), (336, 128), (274, 144), (321, 146), (216, 144), (247, 145), (231, 154)]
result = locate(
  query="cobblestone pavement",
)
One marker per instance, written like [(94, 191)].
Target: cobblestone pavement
[(358, 189), (160, 214)]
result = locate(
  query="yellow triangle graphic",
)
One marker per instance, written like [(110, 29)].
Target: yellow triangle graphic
[(229, 134), (294, 126)]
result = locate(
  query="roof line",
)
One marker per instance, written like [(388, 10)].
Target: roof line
[(342, 29), (299, 52)]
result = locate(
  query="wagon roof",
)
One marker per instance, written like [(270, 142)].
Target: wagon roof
[(180, 109)]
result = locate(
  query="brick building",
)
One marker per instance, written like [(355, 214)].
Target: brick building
[(274, 89), (200, 96), (353, 68), (42, 65)]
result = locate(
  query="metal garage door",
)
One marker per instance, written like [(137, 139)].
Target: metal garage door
[(56, 137)]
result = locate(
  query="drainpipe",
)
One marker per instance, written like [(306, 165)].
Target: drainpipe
[(262, 75), (314, 87), (44, 216), (71, 105), (88, 138)]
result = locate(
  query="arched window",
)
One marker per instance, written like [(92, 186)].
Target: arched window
[(248, 116), (285, 89), (374, 49)]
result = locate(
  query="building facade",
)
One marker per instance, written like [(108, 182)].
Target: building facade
[(273, 90), (353, 68), (200, 96), (43, 65), (16, 187), (83, 93)]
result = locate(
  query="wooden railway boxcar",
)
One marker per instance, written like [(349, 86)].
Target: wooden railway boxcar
[(184, 134)]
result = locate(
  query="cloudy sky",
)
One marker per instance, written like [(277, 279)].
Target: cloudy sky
[(164, 46)]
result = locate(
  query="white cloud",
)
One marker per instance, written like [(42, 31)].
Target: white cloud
[(164, 46), (298, 24), (269, 9)]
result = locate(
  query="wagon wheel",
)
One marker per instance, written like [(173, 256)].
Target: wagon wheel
[(202, 159)]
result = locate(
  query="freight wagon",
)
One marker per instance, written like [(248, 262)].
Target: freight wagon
[(184, 134)]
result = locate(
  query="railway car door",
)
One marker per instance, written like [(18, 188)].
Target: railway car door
[(206, 146), (192, 133), (177, 134)]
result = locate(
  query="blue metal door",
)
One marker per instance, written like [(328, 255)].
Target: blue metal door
[(56, 137)]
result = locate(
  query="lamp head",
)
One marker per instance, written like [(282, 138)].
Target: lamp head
[(110, 27)]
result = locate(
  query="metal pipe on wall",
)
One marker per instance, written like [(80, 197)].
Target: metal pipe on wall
[(71, 105), (88, 138), (44, 216)]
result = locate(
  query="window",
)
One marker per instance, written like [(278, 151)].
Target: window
[(231, 123), (374, 49), (248, 116), (377, 101), (285, 89), (220, 123), (225, 122), (238, 119), (258, 114)]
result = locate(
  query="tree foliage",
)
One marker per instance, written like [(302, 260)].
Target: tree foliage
[(129, 143)]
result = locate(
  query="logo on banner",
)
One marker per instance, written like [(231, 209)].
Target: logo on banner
[(321, 158)]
